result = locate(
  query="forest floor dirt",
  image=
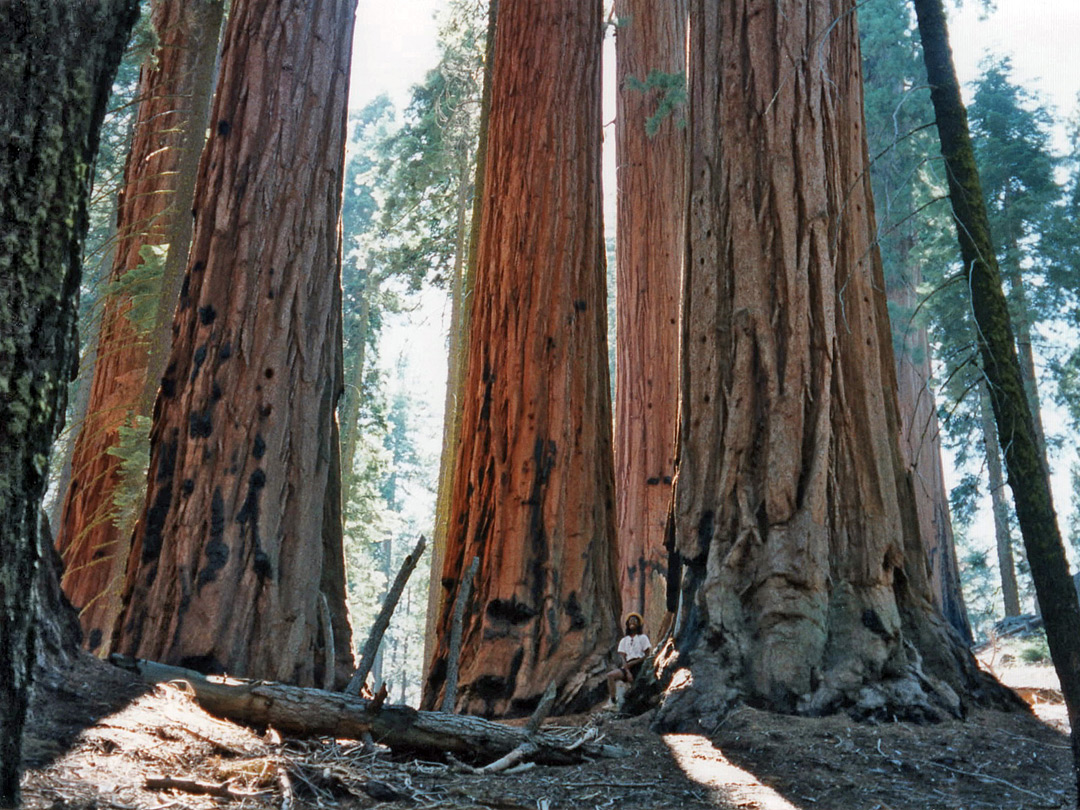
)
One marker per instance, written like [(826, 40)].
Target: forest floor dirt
[(97, 740)]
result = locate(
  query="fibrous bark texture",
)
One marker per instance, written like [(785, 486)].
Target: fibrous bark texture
[(57, 62), (804, 582), (1024, 460), (240, 539), (920, 442), (533, 481), (650, 41), (154, 209)]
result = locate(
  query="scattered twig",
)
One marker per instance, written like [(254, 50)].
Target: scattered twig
[(454, 653), (382, 621), (285, 784), (221, 790)]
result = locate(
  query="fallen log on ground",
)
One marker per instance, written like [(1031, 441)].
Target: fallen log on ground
[(306, 712)]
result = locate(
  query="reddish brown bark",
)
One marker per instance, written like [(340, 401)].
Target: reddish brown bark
[(533, 480), (240, 540), (920, 443), (804, 580), (650, 37), (154, 209)]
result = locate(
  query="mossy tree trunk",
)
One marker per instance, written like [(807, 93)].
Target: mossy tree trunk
[(240, 539), (1024, 460), (57, 60), (803, 580), (650, 40), (174, 90), (533, 484)]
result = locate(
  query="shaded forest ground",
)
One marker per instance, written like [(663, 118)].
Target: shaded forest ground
[(97, 737)]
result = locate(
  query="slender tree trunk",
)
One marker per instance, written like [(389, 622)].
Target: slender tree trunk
[(451, 404), (804, 581), (650, 178), (1010, 591), (920, 442), (459, 333), (241, 536), (1024, 461), (1025, 352), (354, 396), (57, 60), (154, 209), (533, 482)]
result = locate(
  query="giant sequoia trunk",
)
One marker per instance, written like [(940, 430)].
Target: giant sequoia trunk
[(804, 582), (920, 443), (533, 480), (155, 205), (58, 60), (1024, 460), (240, 541), (650, 40)]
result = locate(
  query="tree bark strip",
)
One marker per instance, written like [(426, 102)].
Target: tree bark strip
[(57, 63), (242, 529), (175, 86), (1024, 461), (651, 37), (533, 489)]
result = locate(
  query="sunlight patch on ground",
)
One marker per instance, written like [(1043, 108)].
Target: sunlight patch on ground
[(707, 765)]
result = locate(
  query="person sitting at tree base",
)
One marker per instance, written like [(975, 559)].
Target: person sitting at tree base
[(633, 648)]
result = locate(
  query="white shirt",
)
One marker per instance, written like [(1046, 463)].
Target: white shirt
[(634, 646)]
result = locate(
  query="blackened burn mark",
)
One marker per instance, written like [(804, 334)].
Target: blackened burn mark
[(207, 315), (872, 622), (491, 688), (188, 486), (652, 482), (574, 611), (225, 352), (262, 566), (543, 462), (488, 380), (580, 306), (258, 448), (95, 639), (199, 357), (223, 127), (215, 391), (510, 610), (265, 411), (200, 425), (217, 552), (706, 526), (185, 292), (159, 509), (206, 664)]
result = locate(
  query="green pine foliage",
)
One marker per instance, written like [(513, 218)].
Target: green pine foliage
[(670, 92)]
